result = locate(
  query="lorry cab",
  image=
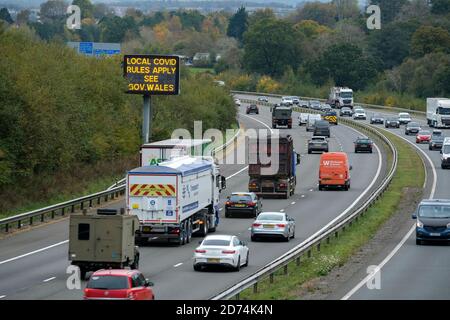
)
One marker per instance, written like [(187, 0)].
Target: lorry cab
[(334, 170)]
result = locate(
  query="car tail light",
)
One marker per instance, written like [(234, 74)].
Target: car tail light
[(200, 251), (227, 203), (256, 224), (228, 251), (175, 230), (281, 225), (251, 204)]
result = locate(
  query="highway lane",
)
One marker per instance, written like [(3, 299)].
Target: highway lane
[(171, 268), (413, 272)]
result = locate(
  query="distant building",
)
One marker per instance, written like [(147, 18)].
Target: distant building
[(201, 56)]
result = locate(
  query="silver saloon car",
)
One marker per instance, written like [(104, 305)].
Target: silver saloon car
[(273, 225)]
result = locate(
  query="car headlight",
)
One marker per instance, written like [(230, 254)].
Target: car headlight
[(419, 224), (448, 225)]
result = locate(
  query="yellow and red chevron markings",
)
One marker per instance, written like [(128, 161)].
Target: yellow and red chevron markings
[(164, 190)]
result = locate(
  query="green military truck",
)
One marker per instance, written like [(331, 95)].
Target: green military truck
[(102, 241), (281, 116)]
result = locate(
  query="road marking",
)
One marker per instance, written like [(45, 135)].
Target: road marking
[(293, 202), (178, 264), (33, 252), (271, 131), (311, 189), (282, 210), (1, 297), (408, 234), (49, 279), (236, 173), (303, 196)]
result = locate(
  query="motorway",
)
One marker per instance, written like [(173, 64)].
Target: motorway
[(409, 271), (30, 270)]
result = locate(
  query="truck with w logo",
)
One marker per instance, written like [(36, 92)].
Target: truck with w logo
[(175, 199)]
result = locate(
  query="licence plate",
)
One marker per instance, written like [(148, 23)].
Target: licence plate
[(268, 226), (146, 229), (240, 205), (213, 260), (435, 234)]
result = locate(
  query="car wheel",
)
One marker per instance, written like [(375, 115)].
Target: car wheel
[(197, 267), (309, 151), (293, 234), (419, 242), (320, 187), (246, 260), (287, 239), (238, 266), (356, 151), (227, 214), (254, 238), (255, 213), (83, 273)]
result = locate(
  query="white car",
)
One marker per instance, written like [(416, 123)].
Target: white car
[(273, 225), (359, 114), (263, 99), (221, 250), (287, 101), (303, 119), (404, 117)]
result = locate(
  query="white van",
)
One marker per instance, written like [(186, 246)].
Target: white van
[(312, 118)]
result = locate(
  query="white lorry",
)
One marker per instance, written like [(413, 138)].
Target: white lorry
[(175, 199), (340, 97), (156, 152), (438, 112)]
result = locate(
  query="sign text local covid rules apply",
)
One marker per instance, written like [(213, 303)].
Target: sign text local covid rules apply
[(152, 74)]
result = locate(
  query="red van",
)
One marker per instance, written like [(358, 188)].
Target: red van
[(334, 170)]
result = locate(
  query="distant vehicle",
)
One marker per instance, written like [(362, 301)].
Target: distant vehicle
[(312, 118), (303, 119), (237, 102), (334, 170), (314, 104), (113, 284), (363, 144), (325, 108), (445, 154), (392, 122), (331, 117), (341, 97), (322, 128), (282, 116), (359, 114), (295, 100), (263, 99), (287, 101), (304, 104), (377, 119), (90, 250), (437, 140), (404, 118), (253, 108), (438, 112), (346, 112), (221, 250), (412, 127), (243, 202), (423, 136), (317, 143), (279, 179), (433, 221), (273, 224)]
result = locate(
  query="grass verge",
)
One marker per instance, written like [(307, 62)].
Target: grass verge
[(195, 70), (337, 253)]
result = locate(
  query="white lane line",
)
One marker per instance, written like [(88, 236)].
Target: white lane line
[(405, 238), (49, 279), (293, 202), (236, 173), (282, 210), (178, 264), (303, 196), (1, 297), (33, 252), (311, 190), (271, 131)]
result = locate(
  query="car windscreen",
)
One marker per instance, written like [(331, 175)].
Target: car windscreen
[(363, 141), (216, 242), (108, 282), (393, 119), (424, 133), (413, 125), (435, 211), (316, 139), (268, 216), (404, 115), (322, 124), (240, 198), (437, 134), (446, 149), (346, 95)]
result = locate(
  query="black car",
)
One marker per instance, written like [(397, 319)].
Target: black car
[(322, 128), (437, 140), (412, 127), (253, 108), (243, 202), (376, 119), (393, 122), (363, 144)]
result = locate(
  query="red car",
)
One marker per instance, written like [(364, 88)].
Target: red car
[(423, 136), (118, 284)]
